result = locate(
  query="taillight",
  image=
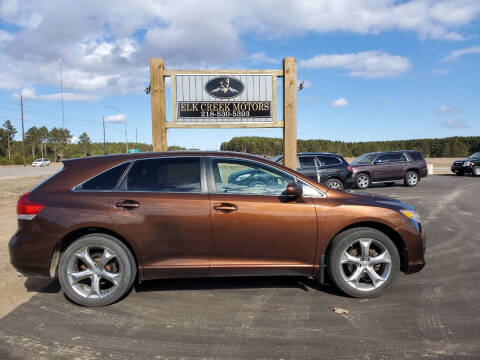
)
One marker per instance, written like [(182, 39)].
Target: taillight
[(425, 163), (26, 209), (350, 168)]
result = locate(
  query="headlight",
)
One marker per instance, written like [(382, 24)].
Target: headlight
[(412, 215), (467, 163)]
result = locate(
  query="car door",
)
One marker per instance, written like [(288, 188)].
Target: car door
[(308, 166), (162, 203), (382, 169), (399, 165), (256, 230)]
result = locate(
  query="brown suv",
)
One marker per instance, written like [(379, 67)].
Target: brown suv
[(102, 223)]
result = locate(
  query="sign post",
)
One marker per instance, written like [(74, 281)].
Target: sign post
[(225, 99)]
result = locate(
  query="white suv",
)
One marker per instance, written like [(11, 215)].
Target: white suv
[(41, 162)]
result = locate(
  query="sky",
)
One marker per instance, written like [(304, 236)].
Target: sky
[(372, 70)]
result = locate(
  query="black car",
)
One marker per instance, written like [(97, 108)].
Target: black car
[(467, 166), (327, 168)]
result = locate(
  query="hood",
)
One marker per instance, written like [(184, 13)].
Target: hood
[(362, 198), (460, 160)]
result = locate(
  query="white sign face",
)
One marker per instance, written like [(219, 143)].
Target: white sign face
[(224, 98)]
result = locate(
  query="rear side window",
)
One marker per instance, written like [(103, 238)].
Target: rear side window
[(329, 160), (163, 175), (415, 155), (396, 157), (306, 162), (106, 180)]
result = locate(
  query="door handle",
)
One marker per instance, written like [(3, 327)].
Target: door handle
[(127, 204), (224, 207)]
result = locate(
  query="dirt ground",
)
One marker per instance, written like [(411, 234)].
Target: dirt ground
[(13, 290)]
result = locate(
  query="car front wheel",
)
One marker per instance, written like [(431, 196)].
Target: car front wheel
[(363, 262), (362, 181), (96, 270), (476, 171)]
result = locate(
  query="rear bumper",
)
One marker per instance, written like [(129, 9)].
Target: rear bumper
[(31, 256), (349, 183), (423, 172)]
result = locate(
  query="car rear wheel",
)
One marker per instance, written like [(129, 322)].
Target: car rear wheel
[(96, 270), (411, 178), (476, 171), (334, 184), (363, 262), (362, 181)]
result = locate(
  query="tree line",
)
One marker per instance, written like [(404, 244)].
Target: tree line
[(55, 144), (458, 146)]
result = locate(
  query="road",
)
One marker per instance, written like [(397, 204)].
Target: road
[(15, 171), (431, 314)]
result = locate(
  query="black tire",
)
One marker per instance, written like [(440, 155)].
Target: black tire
[(334, 184), (411, 179), (336, 271), (362, 181), (123, 262), (476, 171), (390, 183)]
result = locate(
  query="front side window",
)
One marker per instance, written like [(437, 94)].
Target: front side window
[(382, 159), (247, 177), (365, 158), (105, 181), (163, 175)]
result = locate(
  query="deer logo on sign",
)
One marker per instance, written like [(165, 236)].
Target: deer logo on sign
[(224, 87)]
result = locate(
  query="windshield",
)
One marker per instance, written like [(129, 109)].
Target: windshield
[(364, 159), (38, 160), (475, 155)]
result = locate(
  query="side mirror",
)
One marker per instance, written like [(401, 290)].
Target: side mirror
[(294, 190), (376, 162)]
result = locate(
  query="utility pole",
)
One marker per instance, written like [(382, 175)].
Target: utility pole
[(23, 129), (104, 148), (61, 89)]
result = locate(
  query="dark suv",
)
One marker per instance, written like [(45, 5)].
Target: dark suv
[(388, 167), (327, 168), (467, 166)]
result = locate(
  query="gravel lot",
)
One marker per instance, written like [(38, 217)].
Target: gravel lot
[(432, 314)]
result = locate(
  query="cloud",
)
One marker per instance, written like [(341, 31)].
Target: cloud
[(74, 140), (105, 48), (29, 93), (455, 124), (117, 118), (340, 102), (448, 109), (455, 54), (367, 64), (262, 58)]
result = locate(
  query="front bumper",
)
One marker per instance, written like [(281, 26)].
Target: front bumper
[(461, 169), (349, 183), (415, 242)]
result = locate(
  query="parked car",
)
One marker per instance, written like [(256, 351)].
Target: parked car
[(104, 222), (388, 167), (471, 165), (41, 162), (327, 168)]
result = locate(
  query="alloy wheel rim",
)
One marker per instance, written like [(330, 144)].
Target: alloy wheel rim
[(363, 181), (477, 171), (412, 178), (334, 185), (365, 264), (94, 272)]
